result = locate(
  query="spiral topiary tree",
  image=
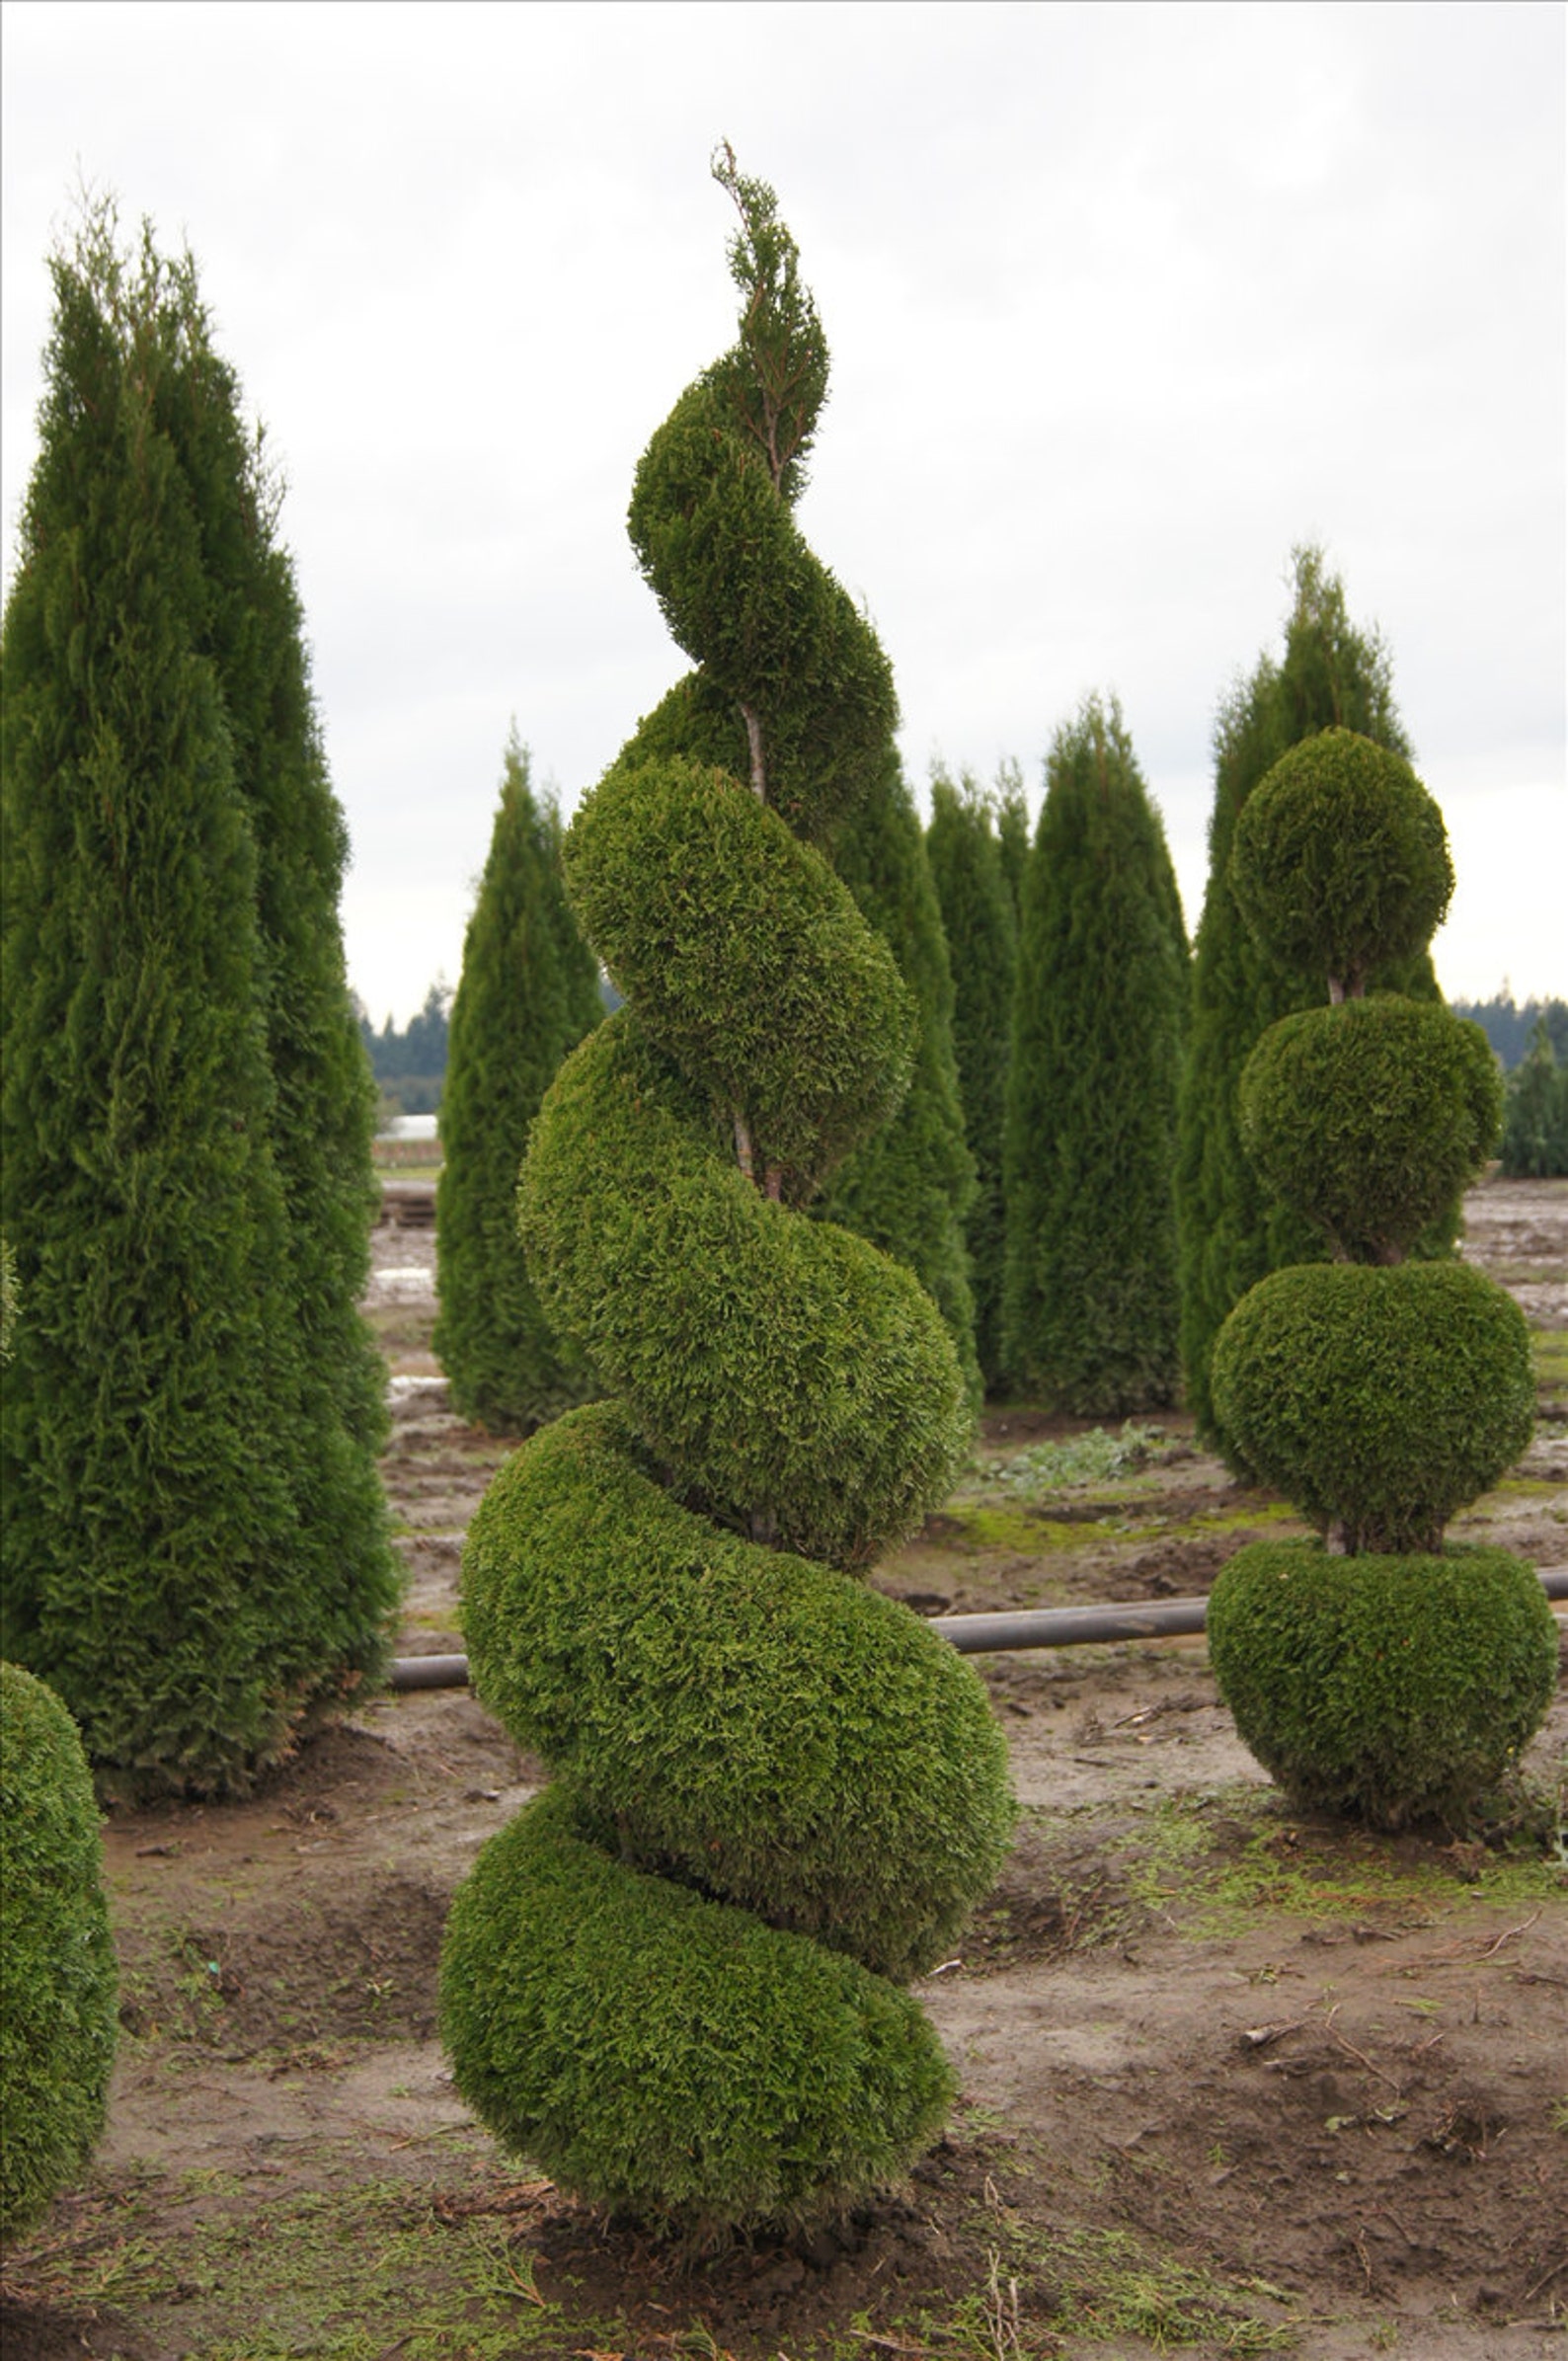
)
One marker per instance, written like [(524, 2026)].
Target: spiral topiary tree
[(57, 1981), (674, 1979), (1374, 1671)]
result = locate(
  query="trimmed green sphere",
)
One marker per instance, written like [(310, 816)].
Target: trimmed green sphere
[(1383, 1401), (57, 1982), (1340, 859), (1370, 1117), (1393, 1688)]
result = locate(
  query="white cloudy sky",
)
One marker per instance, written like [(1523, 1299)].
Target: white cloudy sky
[(1124, 301)]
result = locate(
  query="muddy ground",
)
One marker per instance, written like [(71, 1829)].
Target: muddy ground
[(1234, 2081)]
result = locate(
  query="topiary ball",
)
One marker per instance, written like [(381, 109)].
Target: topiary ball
[(1370, 1118), (1394, 1688), (57, 1982), (1340, 859), (1382, 1399)]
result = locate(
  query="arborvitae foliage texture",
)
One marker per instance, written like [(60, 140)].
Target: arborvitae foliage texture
[(58, 1982), (910, 1188), (1231, 1227), (193, 1552), (979, 921), (324, 1106), (675, 1979), (528, 992), (1012, 828), (1091, 1302), (1380, 1675)]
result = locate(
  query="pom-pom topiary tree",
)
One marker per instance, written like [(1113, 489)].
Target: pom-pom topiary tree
[(57, 1984), (675, 1978), (1371, 1672)]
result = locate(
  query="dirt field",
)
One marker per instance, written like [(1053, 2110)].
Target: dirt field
[(1232, 2082)]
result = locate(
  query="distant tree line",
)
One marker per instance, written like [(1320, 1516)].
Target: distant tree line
[(1509, 1028), (410, 1063)]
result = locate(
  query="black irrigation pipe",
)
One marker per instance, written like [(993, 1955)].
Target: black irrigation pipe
[(977, 1635)]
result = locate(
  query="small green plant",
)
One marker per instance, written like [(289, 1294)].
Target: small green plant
[(1097, 1457)]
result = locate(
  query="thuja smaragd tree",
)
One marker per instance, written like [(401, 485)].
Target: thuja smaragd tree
[(1231, 1226), (1089, 1304), (677, 1977), (195, 1552), (527, 994), (910, 1187), (980, 925), (1372, 1671)]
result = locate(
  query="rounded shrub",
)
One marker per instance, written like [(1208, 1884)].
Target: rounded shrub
[(57, 1984), (1395, 1687), (1340, 860), (665, 2053), (674, 1979), (1382, 1400), (1368, 1117)]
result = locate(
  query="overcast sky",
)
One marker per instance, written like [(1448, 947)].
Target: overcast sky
[(1124, 302)]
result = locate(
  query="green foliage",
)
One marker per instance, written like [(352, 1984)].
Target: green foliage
[(193, 1548), (57, 1982), (786, 1370), (1369, 1118), (1340, 860), (671, 2054), (737, 942), (910, 1188), (1394, 1688), (1231, 1229), (979, 921), (732, 1725), (1012, 829), (528, 992), (1380, 1401), (9, 1299), (755, 1724), (1090, 1303), (1511, 1029), (1536, 1112)]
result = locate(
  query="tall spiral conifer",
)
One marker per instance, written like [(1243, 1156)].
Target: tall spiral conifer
[(675, 1978)]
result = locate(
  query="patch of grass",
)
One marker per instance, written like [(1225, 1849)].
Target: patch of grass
[(1210, 1865), (340, 2276), (1104, 2285)]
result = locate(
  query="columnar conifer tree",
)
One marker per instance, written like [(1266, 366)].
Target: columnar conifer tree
[(1012, 827), (675, 1976), (1090, 1304), (1233, 1227), (324, 1112), (528, 992), (980, 925), (910, 1188), (187, 1420)]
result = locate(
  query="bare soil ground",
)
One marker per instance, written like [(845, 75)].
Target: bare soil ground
[(1234, 2081)]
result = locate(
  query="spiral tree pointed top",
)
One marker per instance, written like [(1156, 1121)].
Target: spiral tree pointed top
[(675, 1980)]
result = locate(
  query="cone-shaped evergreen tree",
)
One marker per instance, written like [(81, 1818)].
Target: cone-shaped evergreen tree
[(528, 992), (979, 921), (324, 1115), (166, 1485), (1012, 827), (1232, 1228), (1090, 1307), (910, 1188)]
